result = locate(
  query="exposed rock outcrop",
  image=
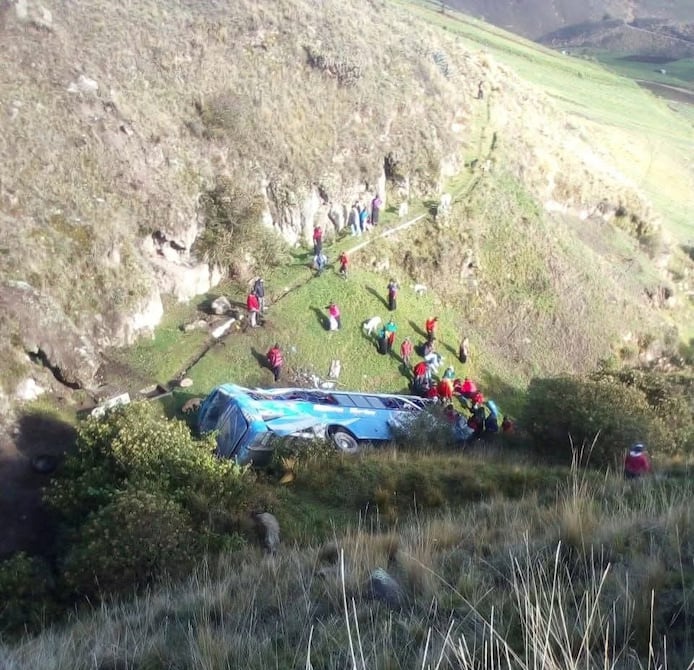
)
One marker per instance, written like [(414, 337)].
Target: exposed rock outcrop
[(48, 335)]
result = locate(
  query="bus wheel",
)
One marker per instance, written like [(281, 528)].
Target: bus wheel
[(344, 440)]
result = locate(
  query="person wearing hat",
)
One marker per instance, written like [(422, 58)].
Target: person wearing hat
[(637, 462)]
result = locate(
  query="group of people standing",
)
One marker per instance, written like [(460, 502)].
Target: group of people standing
[(362, 216)]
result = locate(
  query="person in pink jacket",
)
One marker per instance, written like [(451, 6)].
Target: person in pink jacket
[(335, 322)]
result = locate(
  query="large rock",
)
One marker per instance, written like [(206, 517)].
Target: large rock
[(383, 587), (47, 333), (220, 305), (268, 531), (120, 328)]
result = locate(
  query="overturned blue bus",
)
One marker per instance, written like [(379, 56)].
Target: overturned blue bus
[(247, 419)]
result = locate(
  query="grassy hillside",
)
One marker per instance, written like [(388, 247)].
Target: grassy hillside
[(562, 249), (592, 576)]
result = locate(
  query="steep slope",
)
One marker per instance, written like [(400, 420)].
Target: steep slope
[(116, 138)]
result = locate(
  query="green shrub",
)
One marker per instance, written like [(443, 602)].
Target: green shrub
[(134, 447), (669, 395), (131, 542), (141, 496), (602, 415), (25, 585), (233, 230)]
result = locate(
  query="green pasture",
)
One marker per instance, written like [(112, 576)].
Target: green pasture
[(647, 140)]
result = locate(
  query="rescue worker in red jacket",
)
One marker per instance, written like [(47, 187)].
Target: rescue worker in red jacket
[(253, 306), (637, 462), (430, 327), (468, 388), (275, 360)]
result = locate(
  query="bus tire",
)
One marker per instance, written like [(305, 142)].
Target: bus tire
[(344, 440)]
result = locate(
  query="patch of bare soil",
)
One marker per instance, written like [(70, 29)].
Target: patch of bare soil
[(28, 456)]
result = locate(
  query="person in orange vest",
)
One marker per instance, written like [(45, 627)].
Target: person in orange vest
[(275, 360), (430, 327), (445, 389), (406, 350), (253, 307)]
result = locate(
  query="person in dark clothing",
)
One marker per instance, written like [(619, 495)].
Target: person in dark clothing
[(259, 291), (275, 360), (392, 295), (382, 342), (464, 350)]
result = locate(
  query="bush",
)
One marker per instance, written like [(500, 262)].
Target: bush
[(124, 537), (233, 230), (25, 585), (565, 411), (134, 447), (128, 544)]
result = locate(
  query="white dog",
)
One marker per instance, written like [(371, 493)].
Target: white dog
[(370, 325), (419, 289)]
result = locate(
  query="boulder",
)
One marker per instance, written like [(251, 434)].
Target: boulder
[(84, 85), (220, 305), (28, 390), (383, 587), (268, 531)]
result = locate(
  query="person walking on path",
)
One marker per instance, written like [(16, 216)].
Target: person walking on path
[(259, 291), (464, 350), (344, 262), (406, 350), (334, 319), (253, 307), (275, 360), (317, 240), (392, 295), (430, 327), (376, 205), (391, 329), (320, 260)]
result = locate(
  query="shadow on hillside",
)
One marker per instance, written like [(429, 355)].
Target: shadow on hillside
[(417, 329), (38, 449), (322, 319), (261, 358), (374, 292)]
